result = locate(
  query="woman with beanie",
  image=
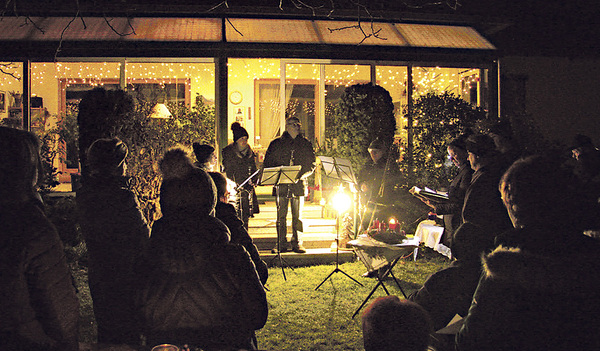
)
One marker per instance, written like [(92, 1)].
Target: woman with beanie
[(115, 232), (206, 158), (38, 304), (195, 287), (239, 163)]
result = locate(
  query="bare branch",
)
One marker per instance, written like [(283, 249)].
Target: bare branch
[(232, 26), (115, 30), (218, 5), (5, 67), (28, 20)]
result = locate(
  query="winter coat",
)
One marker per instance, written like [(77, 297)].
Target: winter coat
[(288, 151), (198, 289), (239, 235), (373, 174), (238, 167), (483, 205), (452, 209), (539, 295), (38, 304), (449, 291), (116, 233)]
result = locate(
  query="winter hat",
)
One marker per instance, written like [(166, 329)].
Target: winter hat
[(581, 140), (481, 145), (202, 152), (107, 156), (185, 187), (377, 144), (238, 131)]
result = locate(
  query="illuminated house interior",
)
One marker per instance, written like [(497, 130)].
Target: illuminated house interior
[(274, 68)]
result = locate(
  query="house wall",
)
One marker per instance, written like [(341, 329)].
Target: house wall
[(561, 94)]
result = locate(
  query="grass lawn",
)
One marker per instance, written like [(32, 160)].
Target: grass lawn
[(301, 318)]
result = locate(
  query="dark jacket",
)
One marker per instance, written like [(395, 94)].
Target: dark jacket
[(239, 235), (38, 305), (483, 205), (238, 167), (372, 175), (198, 289), (539, 295), (288, 151), (116, 233), (452, 209)]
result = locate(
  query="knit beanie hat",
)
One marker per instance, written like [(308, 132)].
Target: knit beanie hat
[(238, 131), (202, 152), (106, 156), (481, 145), (185, 187)]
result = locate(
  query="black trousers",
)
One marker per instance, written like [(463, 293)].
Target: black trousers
[(283, 199)]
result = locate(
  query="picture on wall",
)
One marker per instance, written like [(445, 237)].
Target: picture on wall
[(2, 101)]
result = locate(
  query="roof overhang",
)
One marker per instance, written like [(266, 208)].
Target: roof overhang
[(43, 38)]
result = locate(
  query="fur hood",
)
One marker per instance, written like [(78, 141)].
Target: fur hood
[(552, 274)]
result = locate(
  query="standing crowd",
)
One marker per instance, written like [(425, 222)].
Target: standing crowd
[(523, 275)]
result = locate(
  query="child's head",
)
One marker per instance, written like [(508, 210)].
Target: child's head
[(221, 184), (392, 324)]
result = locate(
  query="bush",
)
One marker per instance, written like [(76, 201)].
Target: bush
[(438, 118)]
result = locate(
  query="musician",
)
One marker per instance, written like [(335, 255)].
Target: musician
[(291, 149), (239, 163), (379, 170)]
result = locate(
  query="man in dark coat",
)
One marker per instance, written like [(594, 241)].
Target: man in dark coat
[(377, 183), (38, 304), (239, 163), (539, 288), (291, 149), (452, 209), (116, 233), (482, 205), (196, 287)]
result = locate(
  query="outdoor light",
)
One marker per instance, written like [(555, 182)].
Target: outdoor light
[(160, 111), (341, 201)]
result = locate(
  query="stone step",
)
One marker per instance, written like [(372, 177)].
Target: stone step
[(311, 257)]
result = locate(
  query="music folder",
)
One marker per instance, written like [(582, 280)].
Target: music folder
[(338, 168), (279, 175)]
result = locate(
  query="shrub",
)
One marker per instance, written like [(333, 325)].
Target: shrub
[(438, 118)]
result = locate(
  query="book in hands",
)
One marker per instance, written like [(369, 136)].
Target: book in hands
[(429, 194)]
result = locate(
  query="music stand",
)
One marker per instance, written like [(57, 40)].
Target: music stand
[(338, 169), (341, 169), (275, 176)]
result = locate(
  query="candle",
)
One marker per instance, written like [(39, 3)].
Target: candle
[(393, 225)]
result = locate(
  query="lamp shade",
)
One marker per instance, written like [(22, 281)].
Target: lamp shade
[(160, 111)]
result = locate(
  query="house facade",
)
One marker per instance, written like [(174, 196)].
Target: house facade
[(254, 69)]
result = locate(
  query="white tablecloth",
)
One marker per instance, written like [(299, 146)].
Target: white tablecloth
[(430, 234)]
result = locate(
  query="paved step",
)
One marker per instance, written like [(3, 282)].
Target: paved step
[(318, 237)]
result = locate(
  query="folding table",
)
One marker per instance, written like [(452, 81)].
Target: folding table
[(376, 254)]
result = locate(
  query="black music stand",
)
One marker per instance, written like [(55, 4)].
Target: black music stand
[(275, 176), (338, 169)]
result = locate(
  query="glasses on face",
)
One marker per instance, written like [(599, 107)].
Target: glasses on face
[(296, 124)]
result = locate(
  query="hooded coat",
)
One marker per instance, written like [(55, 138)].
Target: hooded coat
[(38, 305), (537, 295), (116, 234), (196, 287)]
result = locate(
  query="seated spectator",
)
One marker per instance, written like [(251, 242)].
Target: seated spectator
[(391, 324), (116, 233), (449, 291), (196, 288), (539, 288), (38, 304), (239, 235)]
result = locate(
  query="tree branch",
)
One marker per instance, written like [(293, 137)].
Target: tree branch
[(4, 69)]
